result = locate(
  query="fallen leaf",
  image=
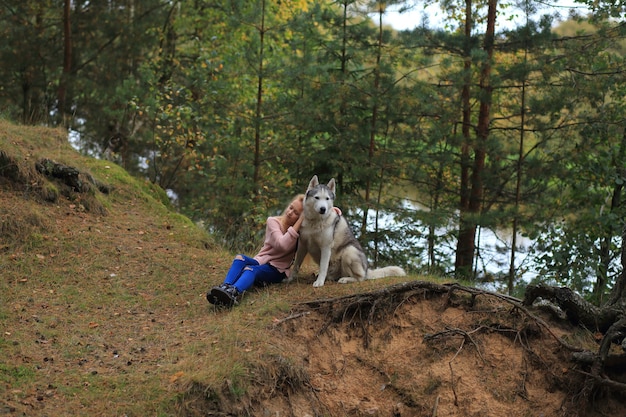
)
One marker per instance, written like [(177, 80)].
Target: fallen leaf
[(176, 376)]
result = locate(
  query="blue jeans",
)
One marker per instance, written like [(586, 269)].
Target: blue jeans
[(245, 272)]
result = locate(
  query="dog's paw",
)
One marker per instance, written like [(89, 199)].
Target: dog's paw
[(346, 280), (318, 283)]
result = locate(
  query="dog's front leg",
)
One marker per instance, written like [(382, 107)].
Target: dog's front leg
[(324, 261)]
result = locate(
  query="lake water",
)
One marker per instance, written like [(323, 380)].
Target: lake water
[(493, 247)]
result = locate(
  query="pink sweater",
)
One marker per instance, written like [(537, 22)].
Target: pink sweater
[(279, 248)]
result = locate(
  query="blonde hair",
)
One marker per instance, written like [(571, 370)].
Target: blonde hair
[(283, 218)]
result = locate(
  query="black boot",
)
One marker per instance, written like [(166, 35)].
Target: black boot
[(210, 296), (225, 295)]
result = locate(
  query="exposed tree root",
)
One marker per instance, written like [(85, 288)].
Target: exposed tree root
[(389, 298), (365, 307), (576, 308), (482, 320), (78, 181), (48, 180), (609, 320)]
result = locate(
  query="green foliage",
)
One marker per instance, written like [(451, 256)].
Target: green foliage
[(232, 106), (583, 244)]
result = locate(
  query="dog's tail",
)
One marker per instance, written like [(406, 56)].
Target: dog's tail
[(388, 271)]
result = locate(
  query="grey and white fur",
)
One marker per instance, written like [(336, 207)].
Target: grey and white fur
[(327, 237)]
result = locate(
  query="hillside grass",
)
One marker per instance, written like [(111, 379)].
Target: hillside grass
[(102, 297)]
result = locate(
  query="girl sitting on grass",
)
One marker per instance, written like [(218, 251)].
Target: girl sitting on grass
[(273, 262)]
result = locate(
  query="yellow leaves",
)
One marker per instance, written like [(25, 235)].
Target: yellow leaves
[(287, 9)]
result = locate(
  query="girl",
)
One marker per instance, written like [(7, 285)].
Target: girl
[(270, 265)]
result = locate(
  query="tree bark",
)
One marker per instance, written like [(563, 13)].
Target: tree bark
[(518, 184), (259, 106), (611, 229), (373, 130), (618, 292), (67, 64), (465, 243), (470, 221)]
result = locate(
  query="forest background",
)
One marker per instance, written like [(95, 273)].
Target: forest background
[(232, 106)]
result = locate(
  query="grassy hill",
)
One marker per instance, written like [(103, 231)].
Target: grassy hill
[(103, 312)]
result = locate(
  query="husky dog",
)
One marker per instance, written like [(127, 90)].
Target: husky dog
[(327, 237)]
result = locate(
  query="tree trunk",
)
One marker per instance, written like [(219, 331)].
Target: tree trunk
[(605, 249), (518, 184), (467, 235), (259, 106), (618, 292), (610, 229), (465, 244), (373, 126), (374, 120), (67, 64)]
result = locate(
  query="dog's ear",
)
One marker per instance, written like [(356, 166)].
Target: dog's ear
[(313, 183), (331, 185)]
